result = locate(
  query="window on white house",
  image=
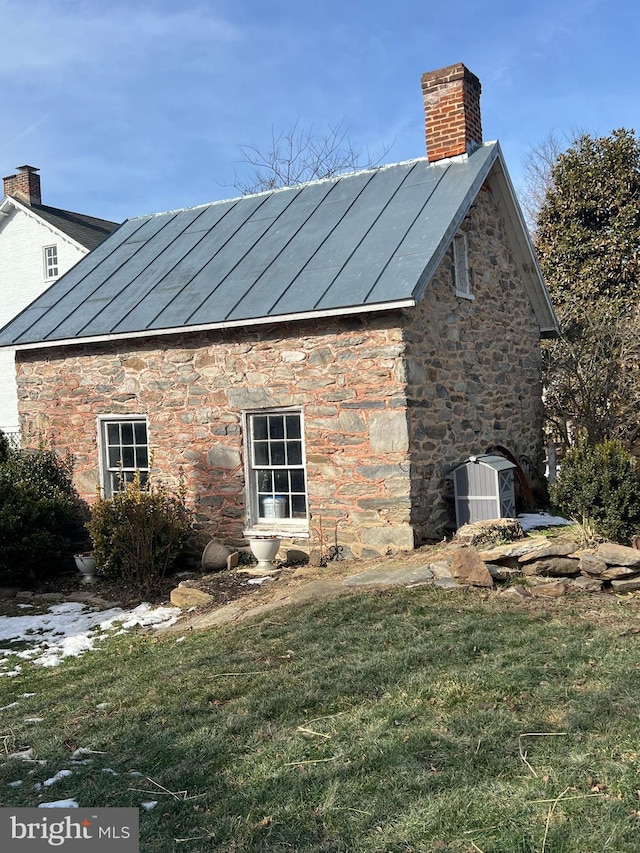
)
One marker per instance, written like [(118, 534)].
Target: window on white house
[(461, 272), (50, 261), (124, 448), (277, 477)]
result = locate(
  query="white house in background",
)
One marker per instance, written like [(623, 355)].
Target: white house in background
[(38, 244)]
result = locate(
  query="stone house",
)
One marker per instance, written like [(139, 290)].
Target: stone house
[(38, 244), (311, 362)]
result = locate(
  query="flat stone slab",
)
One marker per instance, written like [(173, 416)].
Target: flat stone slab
[(397, 575), (441, 570), (514, 549), (587, 584), (629, 585), (619, 555)]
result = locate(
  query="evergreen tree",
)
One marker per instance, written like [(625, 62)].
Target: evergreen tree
[(588, 242), (588, 229)]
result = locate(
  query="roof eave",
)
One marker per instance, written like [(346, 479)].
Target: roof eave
[(207, 327)]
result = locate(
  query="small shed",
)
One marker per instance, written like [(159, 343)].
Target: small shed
[(484, 489)]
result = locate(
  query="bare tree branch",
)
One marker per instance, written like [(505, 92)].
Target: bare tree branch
[(299, 155)]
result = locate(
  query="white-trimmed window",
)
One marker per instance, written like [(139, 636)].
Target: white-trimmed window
[(277, 481), (50, 261), (124, 449), (461, 272)]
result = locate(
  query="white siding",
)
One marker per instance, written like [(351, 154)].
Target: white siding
[(22, 278)]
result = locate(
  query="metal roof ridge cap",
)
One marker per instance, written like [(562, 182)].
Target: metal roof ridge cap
[(293, 186)]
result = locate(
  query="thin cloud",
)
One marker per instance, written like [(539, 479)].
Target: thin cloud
[(63, 36)]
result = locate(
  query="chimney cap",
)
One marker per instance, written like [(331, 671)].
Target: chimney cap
[(28, 168), (457, 71)]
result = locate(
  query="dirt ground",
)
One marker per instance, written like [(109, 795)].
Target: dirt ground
[(224, 586), (228, 587)]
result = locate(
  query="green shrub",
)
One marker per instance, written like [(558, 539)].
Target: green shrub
[(37, 511), (138, 533), (599, 484)]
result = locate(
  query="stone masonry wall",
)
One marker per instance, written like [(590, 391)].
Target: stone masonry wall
[(346, 375), (473, 369), (390, 401)]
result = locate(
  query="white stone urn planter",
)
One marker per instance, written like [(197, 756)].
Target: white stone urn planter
[(264, 549), (86, 564)]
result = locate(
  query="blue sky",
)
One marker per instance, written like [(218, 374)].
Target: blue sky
[(140, 106)]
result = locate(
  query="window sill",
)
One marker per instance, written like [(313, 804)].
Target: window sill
[(281, 530), (463, 295)]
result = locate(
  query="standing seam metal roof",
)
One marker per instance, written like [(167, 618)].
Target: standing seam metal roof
[(359, 241)]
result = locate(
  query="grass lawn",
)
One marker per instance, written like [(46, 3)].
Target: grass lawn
[(412, 720)]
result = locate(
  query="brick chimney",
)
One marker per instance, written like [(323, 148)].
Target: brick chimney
[(452, 112), (25, 185)]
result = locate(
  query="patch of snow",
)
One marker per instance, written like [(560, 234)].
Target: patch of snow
[(61, 774), (23, 755), (82, 750), (59, 804), (150, 804), (24, 606), (26, 695), (109, 770), (260, 580), (533, 520), (101, 706), (15, 784), (71, 628), (34, 719), (12, 705)]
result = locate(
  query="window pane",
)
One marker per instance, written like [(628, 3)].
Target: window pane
[(142, 457), (276, 426), (128, 459), (293, 426), (294, 452), (277, 453), (298, 505), (260, 427), (140, 433), (113, 434), (261, 453), (297, 481), (114, 457), (127, 433), (281, 481), (265, 481)]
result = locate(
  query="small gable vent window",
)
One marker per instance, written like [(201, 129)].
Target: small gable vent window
[(276, 475), (50, 262), (461, 272), (124, 450)]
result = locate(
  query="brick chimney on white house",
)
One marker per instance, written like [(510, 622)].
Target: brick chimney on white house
[(24, 186), (452, 112)]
